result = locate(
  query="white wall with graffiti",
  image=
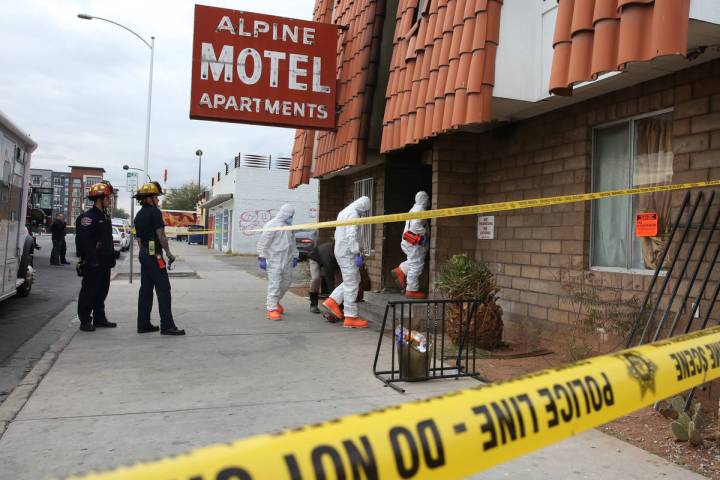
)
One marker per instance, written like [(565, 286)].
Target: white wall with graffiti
[(258, 194)]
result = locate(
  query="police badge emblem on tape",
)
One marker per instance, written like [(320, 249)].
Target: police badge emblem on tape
[(460, 433)]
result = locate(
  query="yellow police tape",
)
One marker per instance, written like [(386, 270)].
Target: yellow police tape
[(460, 433), (192, 232), (494, 207)]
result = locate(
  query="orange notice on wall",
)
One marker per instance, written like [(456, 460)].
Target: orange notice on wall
[(646, 224)]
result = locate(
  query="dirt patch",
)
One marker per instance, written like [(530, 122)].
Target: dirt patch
[(650, 431), (645, 428)]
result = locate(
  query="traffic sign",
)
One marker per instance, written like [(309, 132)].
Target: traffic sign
[(132, 181)]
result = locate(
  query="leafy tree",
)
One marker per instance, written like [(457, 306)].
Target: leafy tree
[(120, 213), (183, 197)]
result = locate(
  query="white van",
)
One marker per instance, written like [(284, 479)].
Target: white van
[(16, 244)]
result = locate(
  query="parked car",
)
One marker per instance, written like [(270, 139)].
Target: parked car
[(124, 227), (124, 239), (305, 242), (117, 241)]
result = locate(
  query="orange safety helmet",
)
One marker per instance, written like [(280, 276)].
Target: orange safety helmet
[(100, 190)]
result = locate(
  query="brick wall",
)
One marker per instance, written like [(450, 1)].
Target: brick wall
[(454, 182), (551, 155)]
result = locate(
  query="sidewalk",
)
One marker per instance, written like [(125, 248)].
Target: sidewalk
[(114, 397)]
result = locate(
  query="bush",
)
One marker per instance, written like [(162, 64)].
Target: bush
[(462, 278), (598, 310)]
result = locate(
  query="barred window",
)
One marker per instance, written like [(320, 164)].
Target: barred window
[(364, 188)]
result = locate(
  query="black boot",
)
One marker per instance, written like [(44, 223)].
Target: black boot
[(148, 328), (314, 302), (104, 324), (172, 331)]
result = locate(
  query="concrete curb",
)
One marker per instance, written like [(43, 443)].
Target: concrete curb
[(17, 399)]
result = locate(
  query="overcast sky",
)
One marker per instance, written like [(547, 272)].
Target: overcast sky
[(79, 87)]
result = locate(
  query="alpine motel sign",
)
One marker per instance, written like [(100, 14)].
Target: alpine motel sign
[(261, 69)]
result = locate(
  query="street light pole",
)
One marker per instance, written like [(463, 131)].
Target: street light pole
[(127, 167), (151, 46), (149, 105), (199, 154)]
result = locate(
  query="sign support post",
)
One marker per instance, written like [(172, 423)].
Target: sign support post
[(132, 184), (132, 233)]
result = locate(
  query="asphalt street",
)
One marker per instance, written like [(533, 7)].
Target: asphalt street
[(22, 318)]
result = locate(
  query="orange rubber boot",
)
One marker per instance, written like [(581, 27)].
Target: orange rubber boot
[(399, 277), (274, 315), (355, 322), (330, 306), (280, 308), (415, 295)]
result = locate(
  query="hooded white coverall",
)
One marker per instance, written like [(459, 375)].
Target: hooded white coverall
[(413, 266), (278, 249), (346, 247)]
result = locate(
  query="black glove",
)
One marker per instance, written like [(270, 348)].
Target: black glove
[(80, 268)]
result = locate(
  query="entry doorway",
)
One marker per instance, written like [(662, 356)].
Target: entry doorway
[(404, 177)]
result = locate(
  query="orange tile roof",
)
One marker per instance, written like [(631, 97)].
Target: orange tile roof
[(597, 36), (358, 53), (442, 71), (301, 158)]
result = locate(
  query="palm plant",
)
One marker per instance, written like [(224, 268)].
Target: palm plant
[(462, 278)]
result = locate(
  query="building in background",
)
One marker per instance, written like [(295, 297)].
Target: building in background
[(41, 192), (81, 179), (61, 194), (249, 193), (490, 101)]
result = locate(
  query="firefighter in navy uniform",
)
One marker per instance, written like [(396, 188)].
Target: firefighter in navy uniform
[(150, 234), (94, 243)]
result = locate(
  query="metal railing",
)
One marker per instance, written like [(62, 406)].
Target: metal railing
[(429, 318), (267, 162), (681, 285)]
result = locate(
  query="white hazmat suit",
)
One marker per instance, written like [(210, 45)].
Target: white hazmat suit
[(413, 266), (279, 250), (347, 246)]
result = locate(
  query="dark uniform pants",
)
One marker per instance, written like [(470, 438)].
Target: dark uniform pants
[(94, 291), (58, 251), (152, 277)]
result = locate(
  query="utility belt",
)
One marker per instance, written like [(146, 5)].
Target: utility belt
[(82, 266), (151, 249), (412, 238)]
